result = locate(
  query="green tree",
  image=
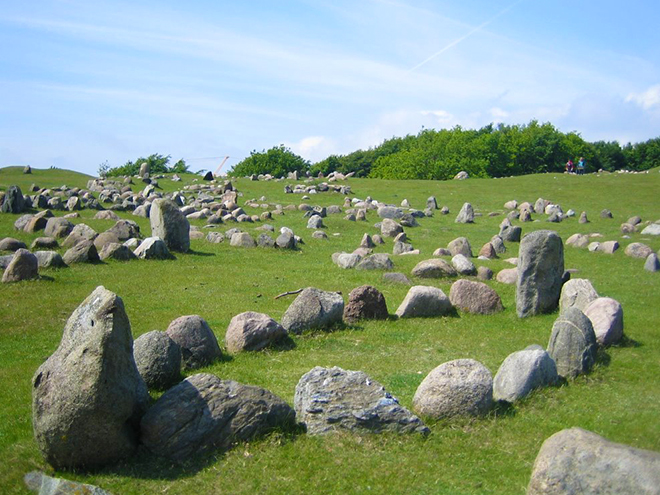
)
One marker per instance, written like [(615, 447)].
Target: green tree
[(277, 161)]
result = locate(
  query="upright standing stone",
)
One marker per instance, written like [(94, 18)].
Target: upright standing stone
[(14, 201), (466, 215), (88, 397), (168, 223), (540, 272), (573, 343), (144, 169)]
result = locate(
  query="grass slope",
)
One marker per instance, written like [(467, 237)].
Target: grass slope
[(620, 399)]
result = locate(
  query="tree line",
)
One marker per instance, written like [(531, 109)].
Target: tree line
[(158, 164)]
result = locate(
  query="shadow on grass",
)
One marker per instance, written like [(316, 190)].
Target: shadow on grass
[(602, 358), (502, 409), (283, 344), (199, 253), (628, 342)]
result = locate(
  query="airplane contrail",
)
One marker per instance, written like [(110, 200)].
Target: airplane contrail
[(462, 38)]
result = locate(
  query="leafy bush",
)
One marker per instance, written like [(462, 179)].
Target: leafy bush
[(158, 164), (277, 161)]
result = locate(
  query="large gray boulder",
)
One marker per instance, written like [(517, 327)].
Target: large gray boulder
[(390, 228), (365, 303), (391, 212), (579, 462), (422, 301), (252, 331), (433, 268), (313, 308), (466, 215), (347, 260), (204, 413), (572, 343), (50, 259), (168, 223), (198, 344), (88, 397), (13, 202), (540, 272), (606, 315), (11, 244), (474, 297), (463, 387), (638, 250), (23, 266), (463, 265), (116, 251), (577, 292), (333, 399), (522, 372), (158, 359)]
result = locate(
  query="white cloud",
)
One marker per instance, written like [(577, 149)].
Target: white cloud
[(314, 148), (498, 114), (648, 99)]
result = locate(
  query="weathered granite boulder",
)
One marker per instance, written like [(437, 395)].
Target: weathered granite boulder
[(578, 241), (579, 462), (397, 278), (58, 227), (198, 344), (572, 343), (204, 413), (252, 331), (638, 250), (117, 252), (540, 272), (522, 372), (390, 228), (313, 308), (365, 303), (652, 264), (333, 399), (23, 266), (463, 266), (88, 397), (50, 259), (463, 387), (577, 292), (606, 316), (168, 223), (422, 301), (474, 297), (158, 359), (11, 244)]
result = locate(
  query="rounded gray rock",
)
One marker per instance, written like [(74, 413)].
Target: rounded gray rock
[(424, 301), (433, 268), (606, 315), (252, 331), (198, 344), (577, 292), (474, 297), (522, 372), (23, 266), (463, 387), (158, 359)]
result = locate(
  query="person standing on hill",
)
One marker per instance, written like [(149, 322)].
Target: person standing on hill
[(580, 166)]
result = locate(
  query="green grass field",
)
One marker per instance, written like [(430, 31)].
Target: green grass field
[(619, 399)]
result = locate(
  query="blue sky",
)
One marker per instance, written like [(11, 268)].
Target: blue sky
[(82, 82)]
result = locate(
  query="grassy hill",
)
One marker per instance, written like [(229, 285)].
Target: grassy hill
[(619, 399)]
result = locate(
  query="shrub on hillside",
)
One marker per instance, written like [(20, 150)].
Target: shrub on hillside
[(277, 161)]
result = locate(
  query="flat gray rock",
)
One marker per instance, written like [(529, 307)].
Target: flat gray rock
[(43, 484), (204, 414), (333, 399), (463, 387), (638, 250), (380, 261), (579, 462), (522, 372), (88, 397)]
